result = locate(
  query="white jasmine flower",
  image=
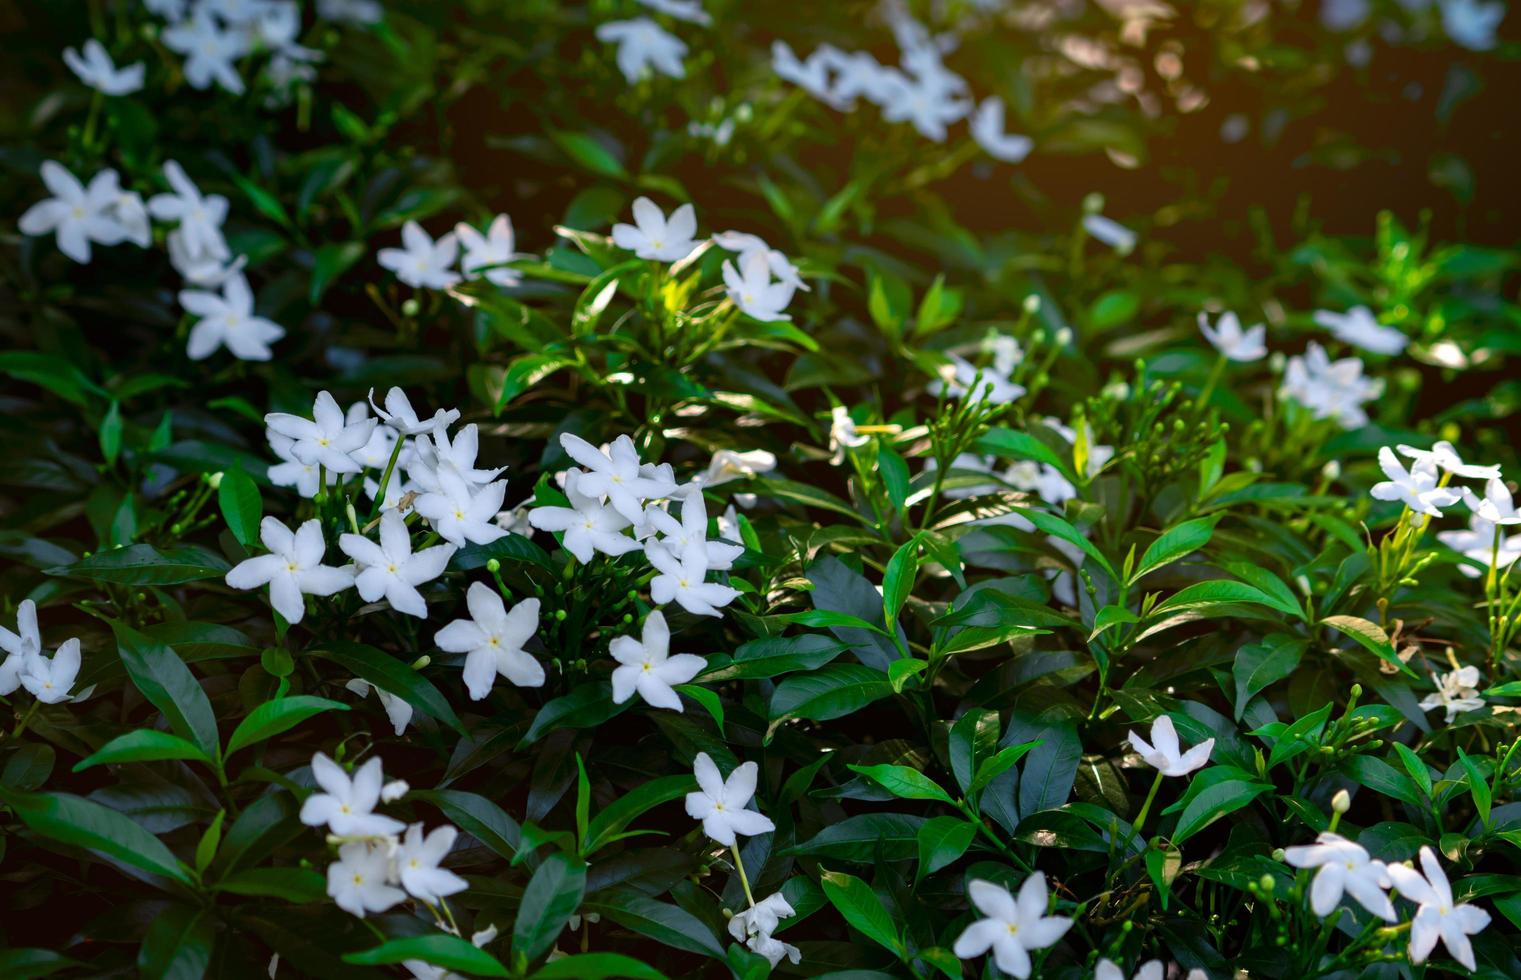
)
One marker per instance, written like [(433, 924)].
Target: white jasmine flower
[(742, 243), (492, 640), (720, 803), (49, 679), (1444, 456), (131, 214), (199, 216), (76, 215), (18, 645), (398, 710), (843, 434), (1163, 752), (292, 568), (1437, 917), (358, 881), (1479, 544), (485, 254), (681, 580), (461, 513), (762, 918), (774, 949), (417, 864), (170, 10), (987, 130), (1011, 927), (440, 454), (644, 45), (291, 472), (858, 74), (648, 668), (328, 438), (691, 530), (1344, 867), (751, 289), (1108, 970), (812, 75), (376, 452), (391, 570), (1330, 390), (228, 320), (198, 268), (1007, 354), (209, 51), (96, 69), (1496, 506), (1110, 232), (400, 416), (421, 262), (654, 236), (394, 790), (616, 474), (514, 520), (589, 524), (347, 806), (1472, 24), (688, 10), (1360, 328), (728, 465), (1456, 691), (961, 378), (1416, 488), (1229, 339), (928, 107)]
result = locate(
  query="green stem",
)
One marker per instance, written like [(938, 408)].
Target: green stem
[(744, 880), (385, 478)]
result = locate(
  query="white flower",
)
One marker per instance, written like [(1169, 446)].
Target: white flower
[(688, 10), (1012, 927), (1108, 970), (96, 70), (1457, 691), (375, 454), (681, 580), (400, 416), (961, 378), (18, 645), (755, 925), (654, 236), (1444, 456), (440, 454), (644, 45), (812, 75), (1360, 328), (1163, 752), (1437, 916), (76, 215), (398, 710), (228, 321), (1110, 232), (199, 216), (292, 472), (199, 268), (741, 243), (589, 524), (728, 465), (751, 289), (292, 568), (720, 804), (131, 216), (648, 668), (1496, 506), (327, 439), (925, 105), (616, 474), (692, 529), (1229, 339), (1471, 24), (485, 254), (359, 880), (842, 434), (391, 570), (774, 949), (1344, 867), (492, 640), (1416, 488), (1479, 544), (49, 679), (987, 130), (209, 51), (347, 806), (1330, 390), (461, 513), (1007, 354), (422, 263), (417, 862)]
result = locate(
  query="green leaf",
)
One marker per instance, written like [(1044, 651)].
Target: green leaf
[(594, 299), (1261, 664), (526, 371), (76, 821), (596, 966), (773, 656), (668, 924), (178, 945), (807, 495), (1478, 787), (973, 737), (169, 686), (942, 840), (54, 373), (829, 692), (143, 745), (898, 579), (1059, 528), (238, 498), (330, 261), (589, 153), (990, 769), (865, 838), (551, 898), (1212, 794), (110, 433), (142, 564), (586, 706), (299, 886), (1370, 636), (1012, 444), (29, 963), (478, 817), (394, 677), (440, 949), (611, 819), (1175, 543), (206, 849), (1215, 592), (273, 717), (860, 907), (905, 782)]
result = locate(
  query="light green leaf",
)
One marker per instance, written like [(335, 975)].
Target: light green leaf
[(273, 717)]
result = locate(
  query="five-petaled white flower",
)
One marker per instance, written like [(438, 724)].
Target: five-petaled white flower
[(209, 50), (589, 525), (692, 528), (228, 321), (1344, 867), (1444, 456), (462, 513), (398, 710), (441, 454), (399, 415), (755, 925), (1164, 753), (720, 803), (1012, 927), (647, 667), (1456, 691), (1330, 389), (1416, 488), (422, 263), (751, 288), (492, 641), (1437, 916), (417, 861), (292, 568), (1236, 344), (96, 69), (1106, 969), (17, 645), (644, 45), (616, 474), (75, 214), (328, 438), (843, 434), (200, 216), (1479, 543), (654, 236), (1496, 506), (682, 579), (1360, 328), (961, 378), (729, 464), (359, 881), (347, 806), (49, 679), (486, 254), (742, 243), (987, 129), (391, 570)]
